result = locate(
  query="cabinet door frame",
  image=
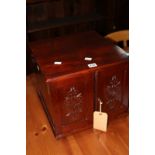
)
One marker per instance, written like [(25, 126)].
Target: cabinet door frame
[(63, 91), (113, 89)]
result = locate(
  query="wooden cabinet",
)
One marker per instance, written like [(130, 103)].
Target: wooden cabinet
[(69, 91)]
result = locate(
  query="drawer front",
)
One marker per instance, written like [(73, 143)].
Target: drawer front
[(112, 88), (72, 100)]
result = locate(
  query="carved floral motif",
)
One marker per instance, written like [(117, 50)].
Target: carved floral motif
[(113, 92), (72, 105)]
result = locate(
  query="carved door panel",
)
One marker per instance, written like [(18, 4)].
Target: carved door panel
[(72, 102), (112, 89)]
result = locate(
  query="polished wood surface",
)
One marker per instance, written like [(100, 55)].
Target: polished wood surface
[(69, 92), (71, 51), (41, 141), (112, 87)]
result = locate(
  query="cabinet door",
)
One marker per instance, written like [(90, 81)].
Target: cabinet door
[(112, 88), (71, 106)]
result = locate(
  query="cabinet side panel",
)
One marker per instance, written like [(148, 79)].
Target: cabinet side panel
[(43, 92)]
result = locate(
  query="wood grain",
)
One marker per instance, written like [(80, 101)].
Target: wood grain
[(41, 141)]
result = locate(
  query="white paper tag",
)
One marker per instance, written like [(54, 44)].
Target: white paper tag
[(88, 58), (100, 121), (92, 65), (100, 118), (57, 62)]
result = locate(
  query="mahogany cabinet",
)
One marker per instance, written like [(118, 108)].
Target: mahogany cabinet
[(69, 91)]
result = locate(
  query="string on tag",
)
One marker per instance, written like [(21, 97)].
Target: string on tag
[(100, 105)]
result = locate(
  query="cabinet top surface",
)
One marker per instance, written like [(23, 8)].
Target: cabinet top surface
[(71, 51)]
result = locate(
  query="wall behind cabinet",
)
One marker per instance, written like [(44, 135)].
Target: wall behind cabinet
[(51, 18)]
